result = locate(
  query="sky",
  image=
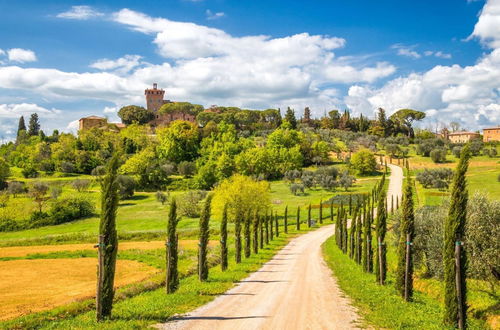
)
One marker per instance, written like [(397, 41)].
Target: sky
[(66, 60)]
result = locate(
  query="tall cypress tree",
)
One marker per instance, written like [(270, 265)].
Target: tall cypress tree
[(285, 220), (271, 231), (345, 235), (34, 125), (331, 211), (298, 218), (108, 245), (256, 221), (276, 222), (261, 228), (350, 204), (404, 253), (172, 281), (321, 211), (21, 126), (223, 239), (247, 231), (381, 229), (204, 236), (309, 216), (454, 230), (266, 222), (359, 233), (352, 234), (237, 234)]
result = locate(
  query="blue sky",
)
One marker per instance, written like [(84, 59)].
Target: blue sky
[(66, 59)]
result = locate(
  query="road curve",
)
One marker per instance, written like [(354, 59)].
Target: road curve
[(294, 290)]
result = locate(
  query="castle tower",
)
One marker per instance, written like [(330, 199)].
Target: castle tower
[(154, 98)]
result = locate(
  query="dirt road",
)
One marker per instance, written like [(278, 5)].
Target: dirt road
[(294, 290), (395, 185)]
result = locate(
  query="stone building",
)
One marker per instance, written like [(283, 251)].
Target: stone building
[(462, 137), (91, 122), (154, 101), (491, 134)]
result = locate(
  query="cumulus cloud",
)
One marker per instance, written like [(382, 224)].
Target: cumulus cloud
[(211, 16), (80, 13), (17, 110), (21, 55), (487, 29), (122, 65)]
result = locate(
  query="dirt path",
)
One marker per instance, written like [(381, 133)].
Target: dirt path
[(294, 290), (395, 185)]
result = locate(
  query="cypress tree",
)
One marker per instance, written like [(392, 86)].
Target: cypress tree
[(404, 252), (397, 202), (309, 216), (298, 218), (172, 280), (276, 222), (248, 242), (350, 204), (321, 211), (237, 234), (256, 221), (267, 228), (359, 233), (261, 226), (392, 204), (108, 243), (223, 239), (454, 230), (34, 125), (204, 236), (381, 228), (352, 234), (331, 211), (285, 220), (271, 231), (21, 126), (346, 234)]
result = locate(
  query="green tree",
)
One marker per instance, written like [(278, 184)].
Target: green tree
[(277, 230), (237, 235), (298, 218), (404, 118), (204, 236), (381, 229), (107, 229), (223, 239), (309, 216), (172, 280), (404, 285), (321, 211), (4, 173), (34, 125), (21, 127), (285, 220), (364, 162), (133, 114), (454, 233), (271, 231), (290, 118), (255, 237), (178, 142), (247, 234)]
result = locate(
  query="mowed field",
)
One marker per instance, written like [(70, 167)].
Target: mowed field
[(29, 286)]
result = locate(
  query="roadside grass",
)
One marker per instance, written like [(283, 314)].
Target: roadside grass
[(380, 306)]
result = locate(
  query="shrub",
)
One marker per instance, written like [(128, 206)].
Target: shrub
[(81, 184), (438, 155), (189, 203), (67, 167), (435, 178), (15, 188), (295, 188), (47, 166), (69, 209), (29, 172), (364, 162), (38, 192), (55, 192), (4, 198), (186, 168), (456, 151), (39, 219), (126, 186), (98, 171), (162, 197)]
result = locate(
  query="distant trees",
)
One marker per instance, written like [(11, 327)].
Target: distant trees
[(381, 229), (4, 173), (436, 178), (404, 118), (178, 142), (133, 114), (290, 118), (438, 155)]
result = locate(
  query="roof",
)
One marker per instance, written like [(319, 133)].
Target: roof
[(485, 129), (464, 133), (93, 117)]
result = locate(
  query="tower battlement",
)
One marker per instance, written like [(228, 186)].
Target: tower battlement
[(154, 98)]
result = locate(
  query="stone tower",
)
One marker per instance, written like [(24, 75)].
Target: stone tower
[(154, 98), (307, 115)]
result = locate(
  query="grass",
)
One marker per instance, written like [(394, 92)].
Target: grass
[(380, 306)]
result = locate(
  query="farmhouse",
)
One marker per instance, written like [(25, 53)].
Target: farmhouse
[(462, 137), (491, 134), (99, 122)]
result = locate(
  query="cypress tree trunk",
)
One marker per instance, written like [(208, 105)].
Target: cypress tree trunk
[(369, 249), (352, 235), (298, 217), (338, 227), (309, 216), (276, 222), (267, 228), (237, 238), (381, 228), (223, 239), (359, 234), (108, 245), (261, 227), (346, 233), (172, 281), (285, 220), (204, 236), (331, 211), (248, 242), (321, 211), (404, 271), (455, 294), (271, 231), (392, 204), (256, 233), (350, 204)]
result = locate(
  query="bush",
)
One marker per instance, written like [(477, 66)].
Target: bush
[(438, 155), (67, 167), (98, 171), (29, 172), (435, 178), (296, 187), (186, 168), (162, 197), (81, 184), (189, 203), (15, 187), (69, 209), (126, 186), (364, 162), (55, 192), (39, 219), (47, 166), (456, 151)]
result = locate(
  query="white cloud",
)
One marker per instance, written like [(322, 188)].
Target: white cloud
[(21, 55), (110, 110), (439, 54), (2, 52), (80, 13), (73, 127), (408, 51), (17, 110), (211, 16), (487, 29), (121, 65)]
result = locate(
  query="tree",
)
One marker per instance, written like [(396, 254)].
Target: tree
[(276, 222), (290, 118), (223, 240), (178, 142), (34, 125), (109, 247), (256, 220), (161, 197), (237, 236), (346, 181), (204, 235), (15, 187), (404, 119), (298, 218), (285, 220), (172, 278), (454, 234), (4, 173), (309, 216), (133, 114), (367, 259), (126, 186), (81, 185), (38, 192), (404, 271), (321, 211), (21, 127), (247, 234), (364, 161), (381, 229), (186, 169)]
